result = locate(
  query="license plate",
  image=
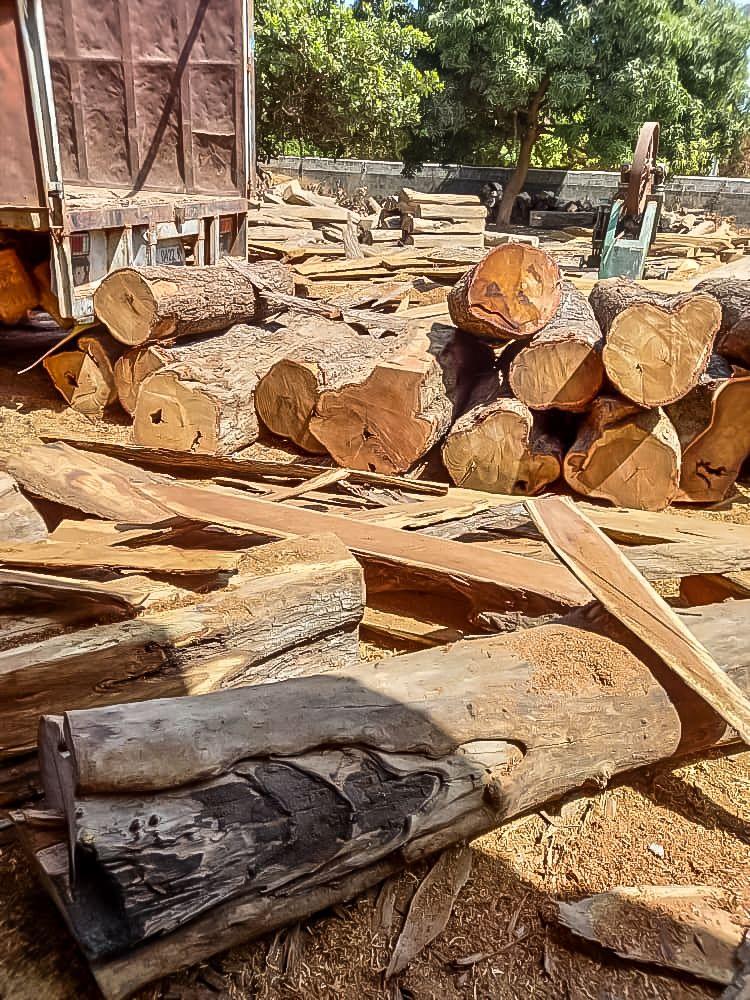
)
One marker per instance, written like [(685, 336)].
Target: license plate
[(170, 253)]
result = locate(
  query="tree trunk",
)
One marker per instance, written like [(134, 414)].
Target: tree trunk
[(495, 445), (200, 398), (511, 293), (713, 425), (531, 132), (145, 304), (133, 368), (626, 455), (294, 607), (321, 354), (383, 410), (657, 346), (212, 820), (17, 291), (562, 365), (733, 295), (84, 377)]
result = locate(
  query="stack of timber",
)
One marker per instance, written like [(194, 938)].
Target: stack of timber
[(290, 216), (441, 220)]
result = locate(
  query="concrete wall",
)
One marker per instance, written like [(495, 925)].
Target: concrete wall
[(724, 195)]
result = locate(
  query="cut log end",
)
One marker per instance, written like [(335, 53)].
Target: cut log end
[(625, 455), (376, 425), (184, 416), (496, 448), (513, 292), (125, 303), (285, 400)]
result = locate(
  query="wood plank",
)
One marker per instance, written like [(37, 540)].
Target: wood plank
[(130, 593), (617, 584), (237, 466), (150, 558), (484, 575)]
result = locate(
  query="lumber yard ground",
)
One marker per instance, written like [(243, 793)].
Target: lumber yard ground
[(144, 576)]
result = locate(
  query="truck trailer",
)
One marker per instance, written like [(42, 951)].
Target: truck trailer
[(128, 138)]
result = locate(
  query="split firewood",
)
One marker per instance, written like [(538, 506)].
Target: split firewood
[(497, 444), (626, 455), (690, 928), (733, 295), (84, 377), (323, 354), (377, 798), (139, 305), (657, 346), (384, 409), (200, 398), (294, 607), (17, 291), (561, 366), (512, 292), (713, 425)]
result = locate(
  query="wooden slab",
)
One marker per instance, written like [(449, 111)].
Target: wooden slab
[(616, 583), (506, 579), (151, 558), (19, 519)]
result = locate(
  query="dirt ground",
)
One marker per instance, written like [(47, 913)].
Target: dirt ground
[(697, 811)]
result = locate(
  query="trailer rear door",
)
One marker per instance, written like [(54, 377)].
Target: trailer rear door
[(150, 95)]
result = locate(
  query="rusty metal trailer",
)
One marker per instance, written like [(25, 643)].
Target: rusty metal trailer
[(127, 128)]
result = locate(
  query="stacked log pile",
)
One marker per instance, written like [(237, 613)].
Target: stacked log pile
[(630, 395)]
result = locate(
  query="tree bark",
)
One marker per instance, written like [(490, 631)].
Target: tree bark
[(531, 132), (713, 425), (497, 446), (84, 377), (384, 409), (236, 822), (511, 293), (322, 353), (562, 365), (201, 396), (733, 295), (657, 346), (139, 305), (294, 606), (626, 455)]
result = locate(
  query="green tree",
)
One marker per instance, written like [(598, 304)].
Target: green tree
[(337, 80), (589, 74)]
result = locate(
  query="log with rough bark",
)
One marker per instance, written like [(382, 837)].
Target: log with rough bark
[(561, 366), (626, 455), (286, 396), (498, 446), (84, 377), (258, 807), (294, 607), (512, 292), (713, 425), (199, 395), (383, 409), (733, 295), (144, 304), (657, 346)]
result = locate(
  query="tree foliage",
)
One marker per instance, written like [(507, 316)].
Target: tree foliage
[(337, 80), (581, 77)]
